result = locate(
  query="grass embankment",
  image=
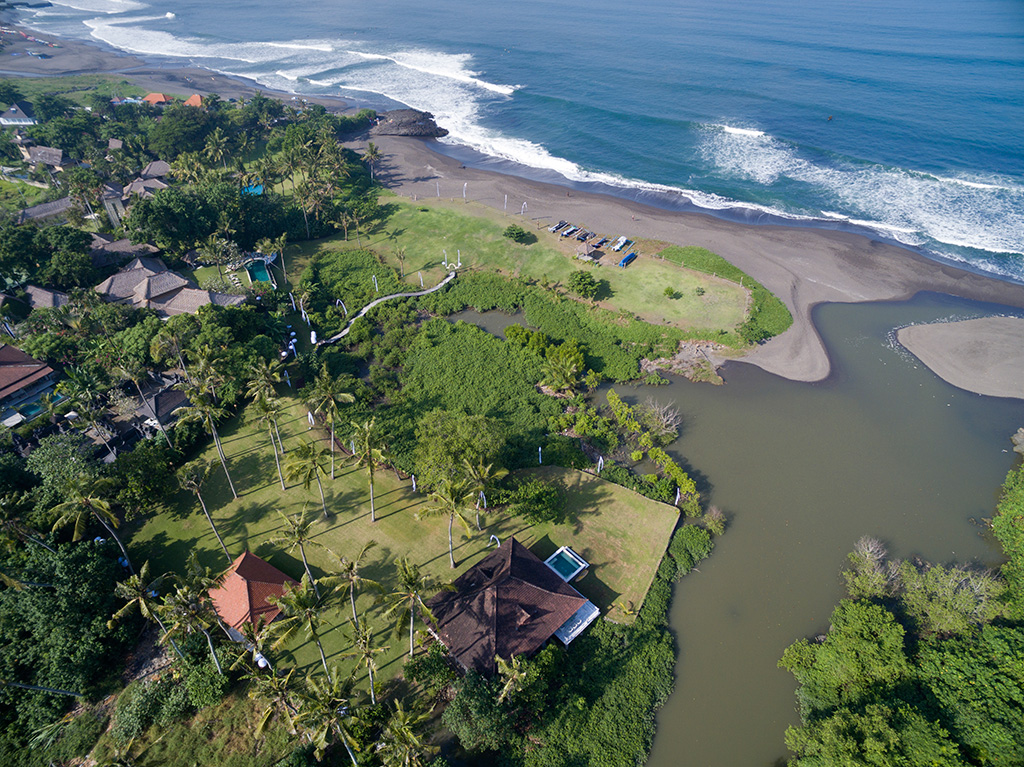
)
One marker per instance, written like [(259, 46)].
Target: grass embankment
[(15, 195), (622, 534), (426, 229), (77, 88)]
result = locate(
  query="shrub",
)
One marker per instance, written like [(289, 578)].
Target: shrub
[(689, 546), (661, 489), (516, 233), (433, 669), (136, 710), (205, 686), (176, 704), (584, 285), (566, 452), (534, 501)]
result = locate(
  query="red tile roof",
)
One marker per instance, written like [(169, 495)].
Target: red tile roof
[(195, 100), (155, 99), (510, 603), (242, 595)]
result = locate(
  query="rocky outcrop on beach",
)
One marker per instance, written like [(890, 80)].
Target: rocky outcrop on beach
[(407, 122)]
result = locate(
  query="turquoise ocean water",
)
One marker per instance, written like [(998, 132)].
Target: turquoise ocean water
[(902, 117)]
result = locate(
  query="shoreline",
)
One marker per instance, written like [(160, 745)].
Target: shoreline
[(803, 265)]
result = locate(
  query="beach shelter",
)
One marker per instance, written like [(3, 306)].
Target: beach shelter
[(195, 100), (244, 591)]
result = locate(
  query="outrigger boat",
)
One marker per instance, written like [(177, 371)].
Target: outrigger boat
[(619, 244), (570, 231), (556, 227), (602, 241)]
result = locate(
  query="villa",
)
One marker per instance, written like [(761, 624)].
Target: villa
[(19, 114), (146, 283), (243, 595), (510, 603), (22, 378)]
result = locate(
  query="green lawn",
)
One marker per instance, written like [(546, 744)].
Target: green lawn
[(621, 534), (77, 87), (427, 229), (15, 195)]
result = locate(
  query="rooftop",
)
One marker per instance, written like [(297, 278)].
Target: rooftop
[(243, 595)]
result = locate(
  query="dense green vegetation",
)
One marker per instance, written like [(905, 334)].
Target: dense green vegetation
[(921, 665)]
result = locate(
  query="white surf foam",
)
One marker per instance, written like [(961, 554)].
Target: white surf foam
[(101, 6)]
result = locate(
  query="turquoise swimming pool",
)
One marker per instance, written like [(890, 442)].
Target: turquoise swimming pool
[(566, 563), (258, 271)]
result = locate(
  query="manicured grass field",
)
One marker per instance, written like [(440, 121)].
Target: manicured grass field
[(621, 534), (427, 229), (77, 87)]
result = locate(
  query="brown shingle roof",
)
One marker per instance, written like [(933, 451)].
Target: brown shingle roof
[(156, 169), (510, 603), (243, 593), (41, 298), (18, 370)]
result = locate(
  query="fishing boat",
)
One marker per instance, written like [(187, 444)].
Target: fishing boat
[(602, 241), (619, 244), (556, 227), (570, 231), (630, 258)]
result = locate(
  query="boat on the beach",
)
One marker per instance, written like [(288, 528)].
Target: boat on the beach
[(584, 236), (556, 227), (628, 259), (570, 231), (620, 244), (602, 241)]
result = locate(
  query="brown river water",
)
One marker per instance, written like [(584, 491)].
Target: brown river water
[(882, 448)]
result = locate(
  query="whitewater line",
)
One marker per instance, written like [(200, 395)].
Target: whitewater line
[(382, 299)]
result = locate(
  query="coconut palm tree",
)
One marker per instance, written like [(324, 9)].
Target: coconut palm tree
[(452, 498), (372, 156), (408, 597), (305, 464), (349, 577), (131, 369), (191, 477), (482, 477), (369, 451), (14, 507), (364, 652), (140, 592), (187, 611), (166, 343), (512, 674), (400, 744), (203, 410), (325, 714), (326, 394), (298, 535), (400, 254), (265, 412), (85, 498), (217, 146), (302, 610), (275, 693)]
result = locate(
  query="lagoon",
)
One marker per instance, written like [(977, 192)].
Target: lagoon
[(882, 447)]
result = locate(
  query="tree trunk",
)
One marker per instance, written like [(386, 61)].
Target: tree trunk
[(155, 416), (279, 440), (412, 623), (223, 458), (119, 543), (163, 628), (352, 599), (305, 564), (44, 689), (323, 658), (322, 499), (332, 448), (214, 527), (306, 219), (369, 670), (277, 459), (350, 754), (213, 653), (373, 514), (451, 548)]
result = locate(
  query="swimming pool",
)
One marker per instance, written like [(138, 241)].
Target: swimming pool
[(566, 563), (258, 271)]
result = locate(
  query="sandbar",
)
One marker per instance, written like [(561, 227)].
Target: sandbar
[(984, 355)]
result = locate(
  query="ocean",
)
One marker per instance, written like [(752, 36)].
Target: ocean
[(901, 118)]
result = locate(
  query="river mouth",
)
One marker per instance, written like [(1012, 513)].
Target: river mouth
[(882, 447)]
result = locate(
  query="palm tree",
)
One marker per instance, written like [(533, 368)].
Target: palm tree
[(297, 534), (369, 452), (85, 498), (14, 507), (513, 675), (451, 498), (325, 714), (191, 477), (482, 478), (265, 412), (140, 592), (188, 611), (400, 254), (560, 369), (349, 577), (364, 652), (301, 610), (407, 599), (399, 744), (164, 344), (92, 414), (305, 464), (204, 411), (327, 392), (217, 146), (274, 691), (372, 156)]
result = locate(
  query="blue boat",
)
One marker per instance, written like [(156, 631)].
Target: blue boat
[(602, 241), (570, 231), (627, 260)]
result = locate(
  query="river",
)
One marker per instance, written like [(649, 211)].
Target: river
[(881, 448)]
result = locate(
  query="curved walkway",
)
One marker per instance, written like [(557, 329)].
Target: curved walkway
[(382, 299)]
